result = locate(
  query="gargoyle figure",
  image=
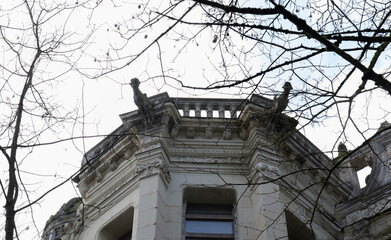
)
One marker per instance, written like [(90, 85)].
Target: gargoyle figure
[(145, 106), (342, 150), (279, 104), (274, 118)]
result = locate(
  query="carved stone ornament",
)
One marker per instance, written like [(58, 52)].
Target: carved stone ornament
[(262, 172), (154, 167), (113, 165), (174, 131), (165, 119), (227, 135), (243, 133), (99, 176), (190, 132)]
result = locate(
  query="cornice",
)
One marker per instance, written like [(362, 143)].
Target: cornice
[(115, 187), (365, 206)]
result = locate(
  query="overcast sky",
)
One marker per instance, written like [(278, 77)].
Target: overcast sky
[(102, 99)]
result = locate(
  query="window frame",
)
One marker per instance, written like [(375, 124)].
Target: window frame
[(205, 217)]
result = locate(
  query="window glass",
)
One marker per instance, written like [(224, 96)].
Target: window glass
[(195, 226), (209, 221)]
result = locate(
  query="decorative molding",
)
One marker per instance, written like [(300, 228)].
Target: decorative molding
[(153, 167), (112, 195), (208, 160), (201, 150), (149, 140), (262, 172), (370, 211)]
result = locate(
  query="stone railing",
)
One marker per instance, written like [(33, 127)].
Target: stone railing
[(210, 107), (217, 108)]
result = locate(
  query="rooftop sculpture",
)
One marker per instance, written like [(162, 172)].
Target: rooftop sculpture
[(281, 102), (274, 113), (145, 106)]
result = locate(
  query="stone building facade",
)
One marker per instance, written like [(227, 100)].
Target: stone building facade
[(192, 168)]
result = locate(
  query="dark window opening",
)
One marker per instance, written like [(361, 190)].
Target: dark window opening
[(297, 230), (209, 221), (120, 228)]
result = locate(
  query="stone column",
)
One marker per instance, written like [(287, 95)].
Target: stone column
[(270, 215), (154, 178)]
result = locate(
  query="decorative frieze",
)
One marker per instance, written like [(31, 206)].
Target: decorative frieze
[(208, 160)]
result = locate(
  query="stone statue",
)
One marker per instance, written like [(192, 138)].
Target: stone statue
[(342, 149), (145, 106), (274, 117), (281, 102)]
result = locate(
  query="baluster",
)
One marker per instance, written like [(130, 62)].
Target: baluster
[(197, 110), (209, 110), (186, 110), (232, 109), (221, 111)]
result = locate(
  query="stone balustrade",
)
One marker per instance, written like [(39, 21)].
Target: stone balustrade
[(210, 108)]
